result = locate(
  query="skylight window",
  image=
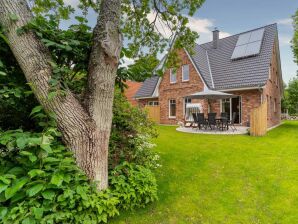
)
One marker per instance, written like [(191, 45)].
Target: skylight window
[(248, 44)]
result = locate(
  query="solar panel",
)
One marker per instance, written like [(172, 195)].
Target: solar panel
[(243, 39), (248, 44), (239, 51), (253, 48), (256, 35)]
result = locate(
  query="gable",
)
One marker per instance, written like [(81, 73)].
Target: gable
[(241, 73)]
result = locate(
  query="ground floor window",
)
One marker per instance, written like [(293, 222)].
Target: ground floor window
[(152, 103), (232, 106), (172, 108)]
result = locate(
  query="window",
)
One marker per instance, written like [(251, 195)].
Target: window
[(172, 108), (152, 103), (185, 72), (173, 75), (274, 105), (185, 112)]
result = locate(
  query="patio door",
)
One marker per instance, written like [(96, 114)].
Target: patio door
[(231, 106)]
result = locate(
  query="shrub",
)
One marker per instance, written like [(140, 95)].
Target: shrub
[(131, 135), (40, 183)]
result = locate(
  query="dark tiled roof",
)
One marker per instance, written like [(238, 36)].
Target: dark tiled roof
[(148, 87), (220, 72), (246, 72)]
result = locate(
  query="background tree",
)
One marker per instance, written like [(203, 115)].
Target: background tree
[(295, 37), (85, 118)]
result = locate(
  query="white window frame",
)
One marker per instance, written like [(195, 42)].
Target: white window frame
[(171, 74), (170, 108), (152, 103), (185, 80), (184, 105)]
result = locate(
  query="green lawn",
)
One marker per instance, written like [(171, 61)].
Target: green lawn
[(224, 179)]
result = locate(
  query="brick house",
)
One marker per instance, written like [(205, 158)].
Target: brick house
[(131, 90), (245, 64)]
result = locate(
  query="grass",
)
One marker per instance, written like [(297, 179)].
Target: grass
[(224, 179)]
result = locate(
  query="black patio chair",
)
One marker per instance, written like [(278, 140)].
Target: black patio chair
[(212, 120), (201, 121), (224, 115), (232, 122)]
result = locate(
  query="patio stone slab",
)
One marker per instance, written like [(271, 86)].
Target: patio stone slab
[(241, 130)]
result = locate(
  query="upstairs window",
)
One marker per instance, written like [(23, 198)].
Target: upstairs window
[(173, 75), (185, 73), (172, 108)]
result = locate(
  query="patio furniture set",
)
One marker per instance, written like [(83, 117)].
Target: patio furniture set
[(213, 122)]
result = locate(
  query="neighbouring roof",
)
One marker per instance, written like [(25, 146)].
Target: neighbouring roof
[(220, 72), (148, 87), (131, 90)]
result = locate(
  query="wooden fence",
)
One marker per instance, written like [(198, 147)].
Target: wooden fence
[(153, 113), (258, 120)]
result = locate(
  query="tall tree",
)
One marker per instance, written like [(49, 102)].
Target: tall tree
[(295, 37), (147, 26)]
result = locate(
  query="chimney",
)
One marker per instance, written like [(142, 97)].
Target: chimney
[(215, 37)]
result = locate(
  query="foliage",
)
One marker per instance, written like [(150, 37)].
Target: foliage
[(131, 135), (40, 183), (290, 100), (295, 37)]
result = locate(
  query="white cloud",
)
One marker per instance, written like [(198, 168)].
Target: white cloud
[(285, 40), (202, 26), (286, 21)]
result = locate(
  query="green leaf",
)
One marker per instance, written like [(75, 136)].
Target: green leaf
[(5, 180), (34, 190), (57, 179), (38, 213), (17, 185), (32, 158), (21, 142), (13, 17), (48, 194), (36, 110), (3, 212), (35, 172), (3, 187), (2, 73), (46, 147), (29, 220), (16, 171)]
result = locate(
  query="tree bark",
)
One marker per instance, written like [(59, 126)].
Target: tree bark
[(85, 130), (103, 65)]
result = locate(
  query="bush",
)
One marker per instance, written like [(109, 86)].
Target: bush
[(131, 135), (40, 183)]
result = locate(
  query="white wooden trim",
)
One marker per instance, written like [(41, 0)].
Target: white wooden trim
[(171, 76), (182, 73), (171, 117), (210, 69), (205, 86)]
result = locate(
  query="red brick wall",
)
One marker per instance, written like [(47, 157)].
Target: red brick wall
[(131, 90), (178, 90), (272, 93)]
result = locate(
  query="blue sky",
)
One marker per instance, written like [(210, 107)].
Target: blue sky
[(235, 16)]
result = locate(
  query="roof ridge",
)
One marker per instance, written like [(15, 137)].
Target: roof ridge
[(237, 34)]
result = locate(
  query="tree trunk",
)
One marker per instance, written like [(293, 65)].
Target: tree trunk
[(103, 65), (85, 131)]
